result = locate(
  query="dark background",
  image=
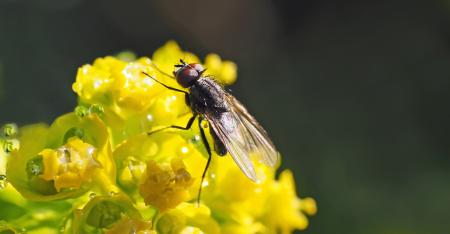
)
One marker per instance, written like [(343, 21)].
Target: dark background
[(354, 93)]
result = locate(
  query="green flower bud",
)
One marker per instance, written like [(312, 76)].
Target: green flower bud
[(104, 211), (104, 214)]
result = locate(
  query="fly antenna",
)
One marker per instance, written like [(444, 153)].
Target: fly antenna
[(161, 71), (159, 82)]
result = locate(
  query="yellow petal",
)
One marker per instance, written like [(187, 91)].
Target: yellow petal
[(51, 164)]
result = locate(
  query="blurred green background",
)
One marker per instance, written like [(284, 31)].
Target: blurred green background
[(354, 93)]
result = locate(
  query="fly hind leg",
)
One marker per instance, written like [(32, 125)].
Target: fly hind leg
[(208, 150)]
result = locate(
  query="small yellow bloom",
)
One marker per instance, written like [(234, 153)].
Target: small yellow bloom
[(223, 71), (284, 211), (188, 218), (169, 55), (165, 187), (71, 165), (131, 156), (118, 85)]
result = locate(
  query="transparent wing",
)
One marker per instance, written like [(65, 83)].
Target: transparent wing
[(243, 137), (260, 144)]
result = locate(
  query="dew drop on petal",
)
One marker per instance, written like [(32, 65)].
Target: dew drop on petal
[(3, 181), (150, 117), (184, 149), (92, 195), (113, 193), (9, 130), (195, 139)]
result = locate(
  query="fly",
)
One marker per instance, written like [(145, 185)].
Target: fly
[(233, 129)]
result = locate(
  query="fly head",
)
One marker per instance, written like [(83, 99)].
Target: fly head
[(188, 74)]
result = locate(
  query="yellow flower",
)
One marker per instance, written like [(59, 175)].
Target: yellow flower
[(131, 156), (223, 71), (188, 218), (118, 85), (169, 55), (236, 200), (165, 187), (248, 207), (285, 210), (58, 162), (82, 155), (71, 165)]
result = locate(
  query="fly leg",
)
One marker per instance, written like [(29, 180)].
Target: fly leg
[(187, 127), (208, 149)]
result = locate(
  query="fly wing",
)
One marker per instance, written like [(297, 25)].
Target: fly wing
[(243, 137), (259, 143), (230, 132)]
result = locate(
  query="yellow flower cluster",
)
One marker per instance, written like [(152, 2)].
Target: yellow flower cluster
[(103, 173)]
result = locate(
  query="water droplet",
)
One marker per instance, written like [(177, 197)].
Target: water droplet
[(3, 181), (205, 183), (195, 139), (92, 195), (81, 111), (62, 229), (96, 109), (10, 145), (9, 130), (113, 193), (204, 124), (150, 117), (184, 149)]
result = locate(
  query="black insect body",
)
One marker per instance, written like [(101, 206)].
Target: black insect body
[(233, 129), (206, 97)]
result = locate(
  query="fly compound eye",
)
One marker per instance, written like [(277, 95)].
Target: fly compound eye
[(198, 67), (186, 76)]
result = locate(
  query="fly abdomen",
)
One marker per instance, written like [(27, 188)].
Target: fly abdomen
[(219, 147)]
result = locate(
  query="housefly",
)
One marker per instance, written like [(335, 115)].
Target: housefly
[(233, 128)]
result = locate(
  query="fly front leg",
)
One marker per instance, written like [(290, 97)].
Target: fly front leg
[(187, 127)]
